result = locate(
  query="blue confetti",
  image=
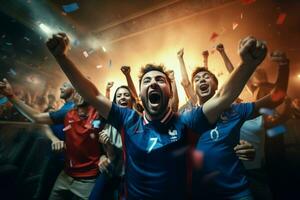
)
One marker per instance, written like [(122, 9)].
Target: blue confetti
[(12, 72), (277, 130), (96, 123), (70, 7), (3, 100), (76, 42), (266, 111)]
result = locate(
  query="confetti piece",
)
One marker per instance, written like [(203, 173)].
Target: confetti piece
[(27, 39), (247, 2), (277, 96), (110, 63), (99, 66), (70, 7), (197, 159), (8, 43), (234, 25), (213, 36), (96, 123), (85, 54), (242, 15), (90, 51), (281, 18), (266, 111), (3, 100), (67, 128), (12, 72), (277, 130), (76, 42)]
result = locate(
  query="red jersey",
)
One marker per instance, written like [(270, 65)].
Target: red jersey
[(82, 147)]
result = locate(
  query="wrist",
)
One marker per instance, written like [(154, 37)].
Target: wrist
[(60, 56)]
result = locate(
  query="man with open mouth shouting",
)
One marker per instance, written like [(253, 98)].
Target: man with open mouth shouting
[(218, 144), (155, 144)]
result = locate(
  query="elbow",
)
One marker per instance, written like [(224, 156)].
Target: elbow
[(185, 83)]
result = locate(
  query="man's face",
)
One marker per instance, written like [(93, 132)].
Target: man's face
[(155, 93), (204, 85), (66, 91), (123, 98)]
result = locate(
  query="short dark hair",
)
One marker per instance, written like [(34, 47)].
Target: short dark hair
[(204, 69), (152, 67)]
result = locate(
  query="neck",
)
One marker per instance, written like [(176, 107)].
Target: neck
[(159, 117)]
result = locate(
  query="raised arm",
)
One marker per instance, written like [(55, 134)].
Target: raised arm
[(278, 93), (126, 72), (58, 46), (252, 53), (185, 82), (30, 113), (174, 102), (205, 55), (108, 87), (229, 66)]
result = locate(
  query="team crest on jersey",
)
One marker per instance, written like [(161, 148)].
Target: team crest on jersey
[(173, 135), (214, 134)]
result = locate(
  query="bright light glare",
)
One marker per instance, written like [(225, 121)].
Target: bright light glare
[(45, 28), (103, 48)]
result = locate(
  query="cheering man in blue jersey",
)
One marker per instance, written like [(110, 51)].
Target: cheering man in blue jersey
[(154, 157)]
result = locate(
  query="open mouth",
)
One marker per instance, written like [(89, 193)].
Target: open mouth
[(123, 103), (204, 87), (154, 97)]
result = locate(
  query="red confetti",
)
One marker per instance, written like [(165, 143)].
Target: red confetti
[(247, 2), (281, 18), (277, 96), (198, 159), (213, 36)]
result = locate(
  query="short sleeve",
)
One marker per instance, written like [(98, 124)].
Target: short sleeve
[(245, 110), (59, 116), (119, 117), (195, 120)]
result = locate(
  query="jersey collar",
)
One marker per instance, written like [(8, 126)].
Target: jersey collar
[(164, 120)]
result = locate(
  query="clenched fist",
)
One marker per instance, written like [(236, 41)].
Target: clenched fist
[(59, 44), (125, 70), (252, 51)]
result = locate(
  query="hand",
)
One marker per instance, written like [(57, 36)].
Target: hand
[(103, 164), (125, 70), (104, 138), (180, 53), (59, 44), (6, 88), (280, 58), (171, 74), (109, 85), (205, 54), (245, 150), (252, 51), (220, 48), (58, 145)]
